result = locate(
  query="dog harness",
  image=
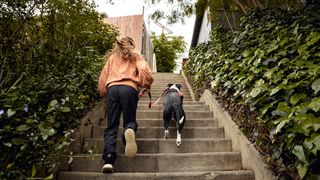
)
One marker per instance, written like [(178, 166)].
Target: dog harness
[(167, 90)]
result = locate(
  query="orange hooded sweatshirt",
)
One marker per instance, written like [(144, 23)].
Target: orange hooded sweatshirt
[(117, 71)]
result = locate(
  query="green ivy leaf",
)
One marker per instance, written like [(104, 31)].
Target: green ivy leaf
[(313, 38), (8, 144), (66, 109), (54, 103), (282, 106), (265, 109), (17, 141), (34, 171), (246, 53), (307, 123), (278, 113), (297, 97), (51, 132), (315, 104), (316, 86), (299, 152), (275, 90), (23, 127), (44, 137), (10, 112), (280, 126), (214, 84), (302, 170), (50, 177), (315, 140), (255, 92)]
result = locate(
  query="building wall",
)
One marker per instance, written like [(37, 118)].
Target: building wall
[(204, 34), (129, 26), (134, 27), (147, 47)]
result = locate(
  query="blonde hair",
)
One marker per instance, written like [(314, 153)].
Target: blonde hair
[(125, 47)]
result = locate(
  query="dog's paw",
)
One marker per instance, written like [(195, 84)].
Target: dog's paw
[(166, 134), (178, 142)]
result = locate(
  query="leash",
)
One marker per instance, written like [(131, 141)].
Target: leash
[(151, 104)]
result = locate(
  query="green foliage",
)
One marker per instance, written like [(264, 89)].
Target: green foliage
[(175, 10), (51, 54), (272, 66), (167, 49)]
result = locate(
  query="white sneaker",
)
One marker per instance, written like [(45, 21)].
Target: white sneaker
[(131, 145), (107, 168)]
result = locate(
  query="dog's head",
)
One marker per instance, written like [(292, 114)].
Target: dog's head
[(171, 86)]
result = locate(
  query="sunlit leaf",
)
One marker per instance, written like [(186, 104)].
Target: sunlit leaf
[(34, 171), (315, 104), (11, 112), (297, 97), (280, 126), (53, 103), (302, 169), (299, 152), (23, 127), (50, 177), (316, 86), (282, 106), (51, 132), (8, 144), (255, 92), (315, 141), (275, 90), (246, 53), (313, 38), (66, 109)]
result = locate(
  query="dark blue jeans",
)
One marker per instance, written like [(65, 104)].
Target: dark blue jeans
[(120, 98)]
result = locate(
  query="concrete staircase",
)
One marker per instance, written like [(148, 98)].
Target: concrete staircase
[(205, 152)]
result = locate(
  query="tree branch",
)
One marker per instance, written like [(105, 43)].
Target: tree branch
[(241, 6)]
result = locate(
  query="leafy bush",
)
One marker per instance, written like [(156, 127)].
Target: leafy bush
[(51, 54), (167, 50), (272, 66)]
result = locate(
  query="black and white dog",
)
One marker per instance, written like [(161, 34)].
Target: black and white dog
[(172, 109)]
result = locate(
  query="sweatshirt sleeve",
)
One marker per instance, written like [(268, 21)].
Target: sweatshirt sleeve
[(103, 79), (145, 73)]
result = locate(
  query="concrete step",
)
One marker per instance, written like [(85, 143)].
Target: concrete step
[(161, 89), (159, 123), (169, 162), (159, 92), (165, 145), (185, 102), (159, 107), (153, 114), (158, 132), (201, 175), (163, 85), (154, 98)]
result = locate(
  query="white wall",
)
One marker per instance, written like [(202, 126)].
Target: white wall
[(204, 34)]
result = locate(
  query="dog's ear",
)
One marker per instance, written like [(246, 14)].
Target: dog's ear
[(169, 85), (179, 86)]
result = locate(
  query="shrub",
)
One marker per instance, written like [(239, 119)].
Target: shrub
[(272, 66)]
